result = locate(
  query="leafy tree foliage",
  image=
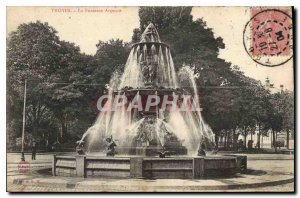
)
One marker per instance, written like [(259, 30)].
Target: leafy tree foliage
[(110, 56), (31, 54), (63, 84)]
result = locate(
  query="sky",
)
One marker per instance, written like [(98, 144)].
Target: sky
[(85, 26)]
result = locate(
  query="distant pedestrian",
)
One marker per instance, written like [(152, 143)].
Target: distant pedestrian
[(240, 145), (250, 144), (33, 150)]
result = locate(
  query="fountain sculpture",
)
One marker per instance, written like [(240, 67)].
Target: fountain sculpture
[(148, 110), (150, 71)]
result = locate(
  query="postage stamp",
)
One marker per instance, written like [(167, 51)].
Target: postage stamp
[(268, 36)]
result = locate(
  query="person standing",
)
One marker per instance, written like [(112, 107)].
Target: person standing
[(33, 150)]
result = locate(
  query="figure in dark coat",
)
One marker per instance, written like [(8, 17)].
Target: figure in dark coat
[(33, 150)]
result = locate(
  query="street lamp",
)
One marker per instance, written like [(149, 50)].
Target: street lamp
[(23, 128)]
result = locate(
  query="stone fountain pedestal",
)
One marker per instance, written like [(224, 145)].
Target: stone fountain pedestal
[(148, 167)]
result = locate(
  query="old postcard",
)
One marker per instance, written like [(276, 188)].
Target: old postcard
[(150, 99)]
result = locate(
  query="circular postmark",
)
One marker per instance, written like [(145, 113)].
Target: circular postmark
[(24, 167), (268, 37)]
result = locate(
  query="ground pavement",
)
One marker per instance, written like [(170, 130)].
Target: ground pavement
[(267, 172)]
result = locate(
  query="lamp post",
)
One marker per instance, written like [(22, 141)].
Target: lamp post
[(24, 118)]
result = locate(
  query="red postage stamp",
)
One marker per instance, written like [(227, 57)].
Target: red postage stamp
[(268, 36)]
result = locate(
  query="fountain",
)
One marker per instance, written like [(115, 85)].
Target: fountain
[(148, 110), (150, 71)]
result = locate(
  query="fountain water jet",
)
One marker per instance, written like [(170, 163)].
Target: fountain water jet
[(150, 70)]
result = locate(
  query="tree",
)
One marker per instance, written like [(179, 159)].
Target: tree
[(255, 106), (62, 82), (110, 56), (288, 111), (52, 67), (283, 113), (31, 54), (275, 121)]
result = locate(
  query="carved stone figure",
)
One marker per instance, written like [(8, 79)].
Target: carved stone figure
[(149, 71), (110, 147), (80, 148), (150, 34)]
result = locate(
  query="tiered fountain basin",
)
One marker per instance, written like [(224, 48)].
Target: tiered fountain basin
[(148, 167)]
